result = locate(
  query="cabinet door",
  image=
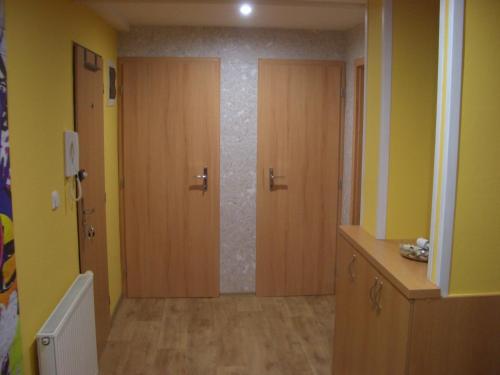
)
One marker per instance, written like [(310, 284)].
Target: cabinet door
[(343, 305), (352, 311), (387, 334)]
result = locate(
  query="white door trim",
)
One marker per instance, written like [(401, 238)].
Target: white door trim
[(450, 101), (385, 121)]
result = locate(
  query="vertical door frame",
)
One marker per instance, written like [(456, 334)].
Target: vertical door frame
[(340, 191), (123, 252), (343, 91), (340, 177), (75, 128), (357, 140)]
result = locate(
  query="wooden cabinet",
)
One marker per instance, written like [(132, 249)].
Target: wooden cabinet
[(366, 304), (390, 320)]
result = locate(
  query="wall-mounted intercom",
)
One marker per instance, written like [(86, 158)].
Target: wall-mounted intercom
[(71, 154), (72, 161)]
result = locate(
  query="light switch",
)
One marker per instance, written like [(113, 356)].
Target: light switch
[(56, 201)]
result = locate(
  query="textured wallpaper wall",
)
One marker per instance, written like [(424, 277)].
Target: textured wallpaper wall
[(239, 51)]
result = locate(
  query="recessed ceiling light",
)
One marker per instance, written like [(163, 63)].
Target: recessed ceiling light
[(246, 9)]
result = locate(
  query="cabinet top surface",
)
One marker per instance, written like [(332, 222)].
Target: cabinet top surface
[(410, 277)]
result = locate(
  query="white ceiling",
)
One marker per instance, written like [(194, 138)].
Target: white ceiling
[(288, 14)]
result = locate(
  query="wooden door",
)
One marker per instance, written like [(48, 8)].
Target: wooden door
[(357, 145), (170, 119), (298, 138), (89, 122)]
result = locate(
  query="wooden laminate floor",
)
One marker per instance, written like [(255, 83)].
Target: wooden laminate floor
[(230, 335)]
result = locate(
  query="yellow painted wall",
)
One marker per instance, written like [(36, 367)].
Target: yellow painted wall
[(413, 117), (39, 48), (476, 250), (372, 127)]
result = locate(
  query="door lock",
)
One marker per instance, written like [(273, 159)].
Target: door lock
[(90, 232)]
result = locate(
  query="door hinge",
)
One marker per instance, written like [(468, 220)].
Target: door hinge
[(340, 184), (122, 183), (342, 92)]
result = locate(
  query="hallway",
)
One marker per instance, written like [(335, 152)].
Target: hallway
[(230, 335)]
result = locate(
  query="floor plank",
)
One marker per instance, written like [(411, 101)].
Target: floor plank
[(230, 335)]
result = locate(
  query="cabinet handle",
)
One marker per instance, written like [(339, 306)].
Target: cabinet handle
[(378, 296), (351, 267), (372, 292)]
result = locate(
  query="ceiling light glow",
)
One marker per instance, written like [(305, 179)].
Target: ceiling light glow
[(246, 9)]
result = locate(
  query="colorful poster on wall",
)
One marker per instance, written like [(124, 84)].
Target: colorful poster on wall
[(10, 346)]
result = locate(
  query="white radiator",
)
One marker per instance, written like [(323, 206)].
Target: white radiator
[(67, 341)]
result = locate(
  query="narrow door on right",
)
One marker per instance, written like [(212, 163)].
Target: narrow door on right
[(298, 170), (357, 144)]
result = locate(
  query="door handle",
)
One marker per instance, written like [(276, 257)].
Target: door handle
[(377, 296), (272, 177), (372, 291), (204, 177)]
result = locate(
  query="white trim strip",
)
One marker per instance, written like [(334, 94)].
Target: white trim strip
[(450, 144), (437, 149), (385, 120), (365, 95)]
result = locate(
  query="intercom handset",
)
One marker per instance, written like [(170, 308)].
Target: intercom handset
[(72, 160)]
